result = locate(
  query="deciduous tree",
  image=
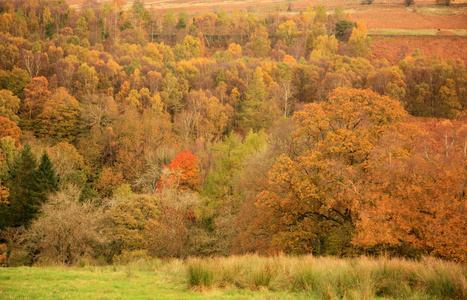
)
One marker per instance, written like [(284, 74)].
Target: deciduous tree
[(359, 40), (288, 31), (127, 223), (9, 105), (184, 172), (313, 200), (416, 194), (36, 94), (9, 128), (59, 117)]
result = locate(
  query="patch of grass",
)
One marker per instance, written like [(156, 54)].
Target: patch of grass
[(242, 277), (438, 10), (414, 32)]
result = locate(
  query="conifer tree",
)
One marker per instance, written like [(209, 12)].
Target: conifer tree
[(21, 210), (43, 181)]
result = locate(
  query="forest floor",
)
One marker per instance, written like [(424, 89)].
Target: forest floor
[(241, 277)]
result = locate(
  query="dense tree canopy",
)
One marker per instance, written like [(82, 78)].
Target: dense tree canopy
[(221, 133)]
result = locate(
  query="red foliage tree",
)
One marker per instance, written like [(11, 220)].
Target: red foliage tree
[(185, 172)]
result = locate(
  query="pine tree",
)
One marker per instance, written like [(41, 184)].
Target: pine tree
[(43, 181), (20, 211)]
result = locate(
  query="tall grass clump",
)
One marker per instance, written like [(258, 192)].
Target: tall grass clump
[(329, 277), (200, 273), (444, 280), (245, 272), (263, 277)]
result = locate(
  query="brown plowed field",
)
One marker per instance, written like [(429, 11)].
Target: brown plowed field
[(392, 48)]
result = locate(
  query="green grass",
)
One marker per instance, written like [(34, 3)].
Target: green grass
[(242, 277), (140, 280)]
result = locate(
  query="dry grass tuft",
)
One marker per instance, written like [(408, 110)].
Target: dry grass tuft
[(327, 277)]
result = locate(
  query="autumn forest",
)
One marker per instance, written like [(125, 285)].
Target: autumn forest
[(125, 132)]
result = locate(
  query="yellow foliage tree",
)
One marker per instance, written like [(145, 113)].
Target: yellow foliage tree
[(360, 41)]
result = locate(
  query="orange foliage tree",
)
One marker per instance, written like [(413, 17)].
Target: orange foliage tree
[(417, 193), (60, 116), (36, 94), (312, 200), (9, 128), (109, 180)]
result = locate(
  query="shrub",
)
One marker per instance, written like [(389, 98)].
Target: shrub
[(66, 231), (3, 255), (342, 27), (171, 235)]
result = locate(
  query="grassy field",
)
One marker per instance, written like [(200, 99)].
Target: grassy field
[(243, 277), (414, 32)]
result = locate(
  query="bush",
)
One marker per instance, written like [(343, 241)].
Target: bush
[(172, 234), (3, 255), (127, 257), (66, 231), (15, 254), (343, 27)]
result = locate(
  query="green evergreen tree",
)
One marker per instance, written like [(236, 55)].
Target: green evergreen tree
[(182, 19), (43, 181), (21, 210)]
